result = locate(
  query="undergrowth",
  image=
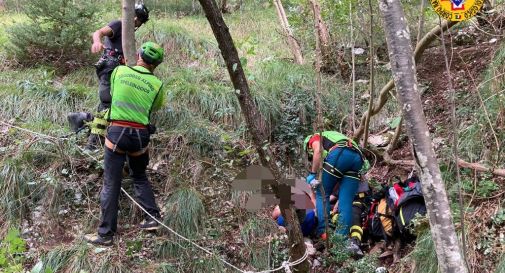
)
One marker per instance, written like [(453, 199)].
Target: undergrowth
[(185, 212)]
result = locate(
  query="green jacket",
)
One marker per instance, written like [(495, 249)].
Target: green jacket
[(135, 92)]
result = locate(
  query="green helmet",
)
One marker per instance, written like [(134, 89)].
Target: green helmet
[(151, 53)]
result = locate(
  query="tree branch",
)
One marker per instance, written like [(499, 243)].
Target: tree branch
[(384, 93), (480, 168)]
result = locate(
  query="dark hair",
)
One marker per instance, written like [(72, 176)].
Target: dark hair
[(142, 13)]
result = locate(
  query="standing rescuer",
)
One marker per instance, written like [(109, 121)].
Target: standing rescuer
[(135, 94), (343, 163), (112, 56)]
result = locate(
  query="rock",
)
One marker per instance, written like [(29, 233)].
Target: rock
[(358, 51), (311, 250), (316, 263), (381, 269), (379, 140)]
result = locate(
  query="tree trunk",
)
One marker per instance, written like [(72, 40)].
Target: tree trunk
[(256, 127), (420, 26), (128, 32), (353, 71), (324, 36), (292, 42), (372, 67), (403, 68)]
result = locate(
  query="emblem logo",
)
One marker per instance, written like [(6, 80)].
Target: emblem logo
[(457, 10)]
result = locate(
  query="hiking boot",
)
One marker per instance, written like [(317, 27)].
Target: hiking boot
[(98, 240), (354, 248), (149, 225)]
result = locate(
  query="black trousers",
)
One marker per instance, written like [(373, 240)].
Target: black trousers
[(128, 140), (104, 72)]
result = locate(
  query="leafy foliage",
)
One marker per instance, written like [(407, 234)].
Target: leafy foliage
[(11, 252), (57, 33)]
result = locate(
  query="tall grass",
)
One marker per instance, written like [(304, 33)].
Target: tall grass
[(167, 268), (15, 192), (185, 212), (57, 259), (500, 268), (80, 258), (256, 235), (478, 141), (424, 254), (41, 98)]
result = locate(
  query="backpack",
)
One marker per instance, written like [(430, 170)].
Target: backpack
[(380, 220), (406, 199)]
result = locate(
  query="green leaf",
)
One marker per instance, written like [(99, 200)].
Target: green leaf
[(395, 122), (243, 61)]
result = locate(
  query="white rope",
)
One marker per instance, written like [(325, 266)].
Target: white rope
[(177, 234), (285, 265), (29, 131)]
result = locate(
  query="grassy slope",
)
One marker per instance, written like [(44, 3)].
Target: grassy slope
[(201, 108)]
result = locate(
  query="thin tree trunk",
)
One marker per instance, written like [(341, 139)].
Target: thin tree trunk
[(437, 204), (370, 101), (256, 127), (292, 42), (324, 36), (128, 32), (420, 26), (384, 93), (319, 107), (353, 73), (454, 121)]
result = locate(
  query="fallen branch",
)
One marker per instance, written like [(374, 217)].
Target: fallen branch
[(384, 93), (480, 168)]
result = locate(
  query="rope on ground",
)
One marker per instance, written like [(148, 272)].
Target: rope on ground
[(285, 265), (28, 131)]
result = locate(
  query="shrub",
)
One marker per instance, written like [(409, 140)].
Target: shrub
[(57, 32)]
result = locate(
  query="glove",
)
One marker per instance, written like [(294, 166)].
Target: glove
[(314, 183), (310, 177)]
